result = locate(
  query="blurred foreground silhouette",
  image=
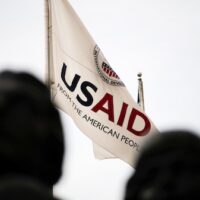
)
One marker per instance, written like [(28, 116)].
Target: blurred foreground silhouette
[(167, 169), (31, 135)]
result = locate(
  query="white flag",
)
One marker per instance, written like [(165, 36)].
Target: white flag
[(84, 85)]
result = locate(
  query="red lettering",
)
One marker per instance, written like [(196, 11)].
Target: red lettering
[(147, 126), (122, 114), (107, 99)]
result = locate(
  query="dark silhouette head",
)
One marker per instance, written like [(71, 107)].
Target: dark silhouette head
[(23, 189), (31, 135), (167, 169)]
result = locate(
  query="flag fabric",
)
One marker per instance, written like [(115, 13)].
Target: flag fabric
[(85, 86)]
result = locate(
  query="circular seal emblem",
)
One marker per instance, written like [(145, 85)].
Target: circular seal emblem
[(106, 73)]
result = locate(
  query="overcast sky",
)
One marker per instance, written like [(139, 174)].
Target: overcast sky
[(160, 38)]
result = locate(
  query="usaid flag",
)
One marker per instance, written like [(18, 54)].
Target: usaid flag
[(85, 86)]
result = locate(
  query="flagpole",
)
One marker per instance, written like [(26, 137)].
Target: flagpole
[(47, 46), (140, 92)]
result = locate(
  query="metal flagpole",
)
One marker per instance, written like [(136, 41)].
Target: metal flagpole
[(140, 100), (47, 70)]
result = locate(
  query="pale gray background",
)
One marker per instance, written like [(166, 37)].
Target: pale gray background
[(160, 38)]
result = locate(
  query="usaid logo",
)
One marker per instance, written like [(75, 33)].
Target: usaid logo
[(106, 73)]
